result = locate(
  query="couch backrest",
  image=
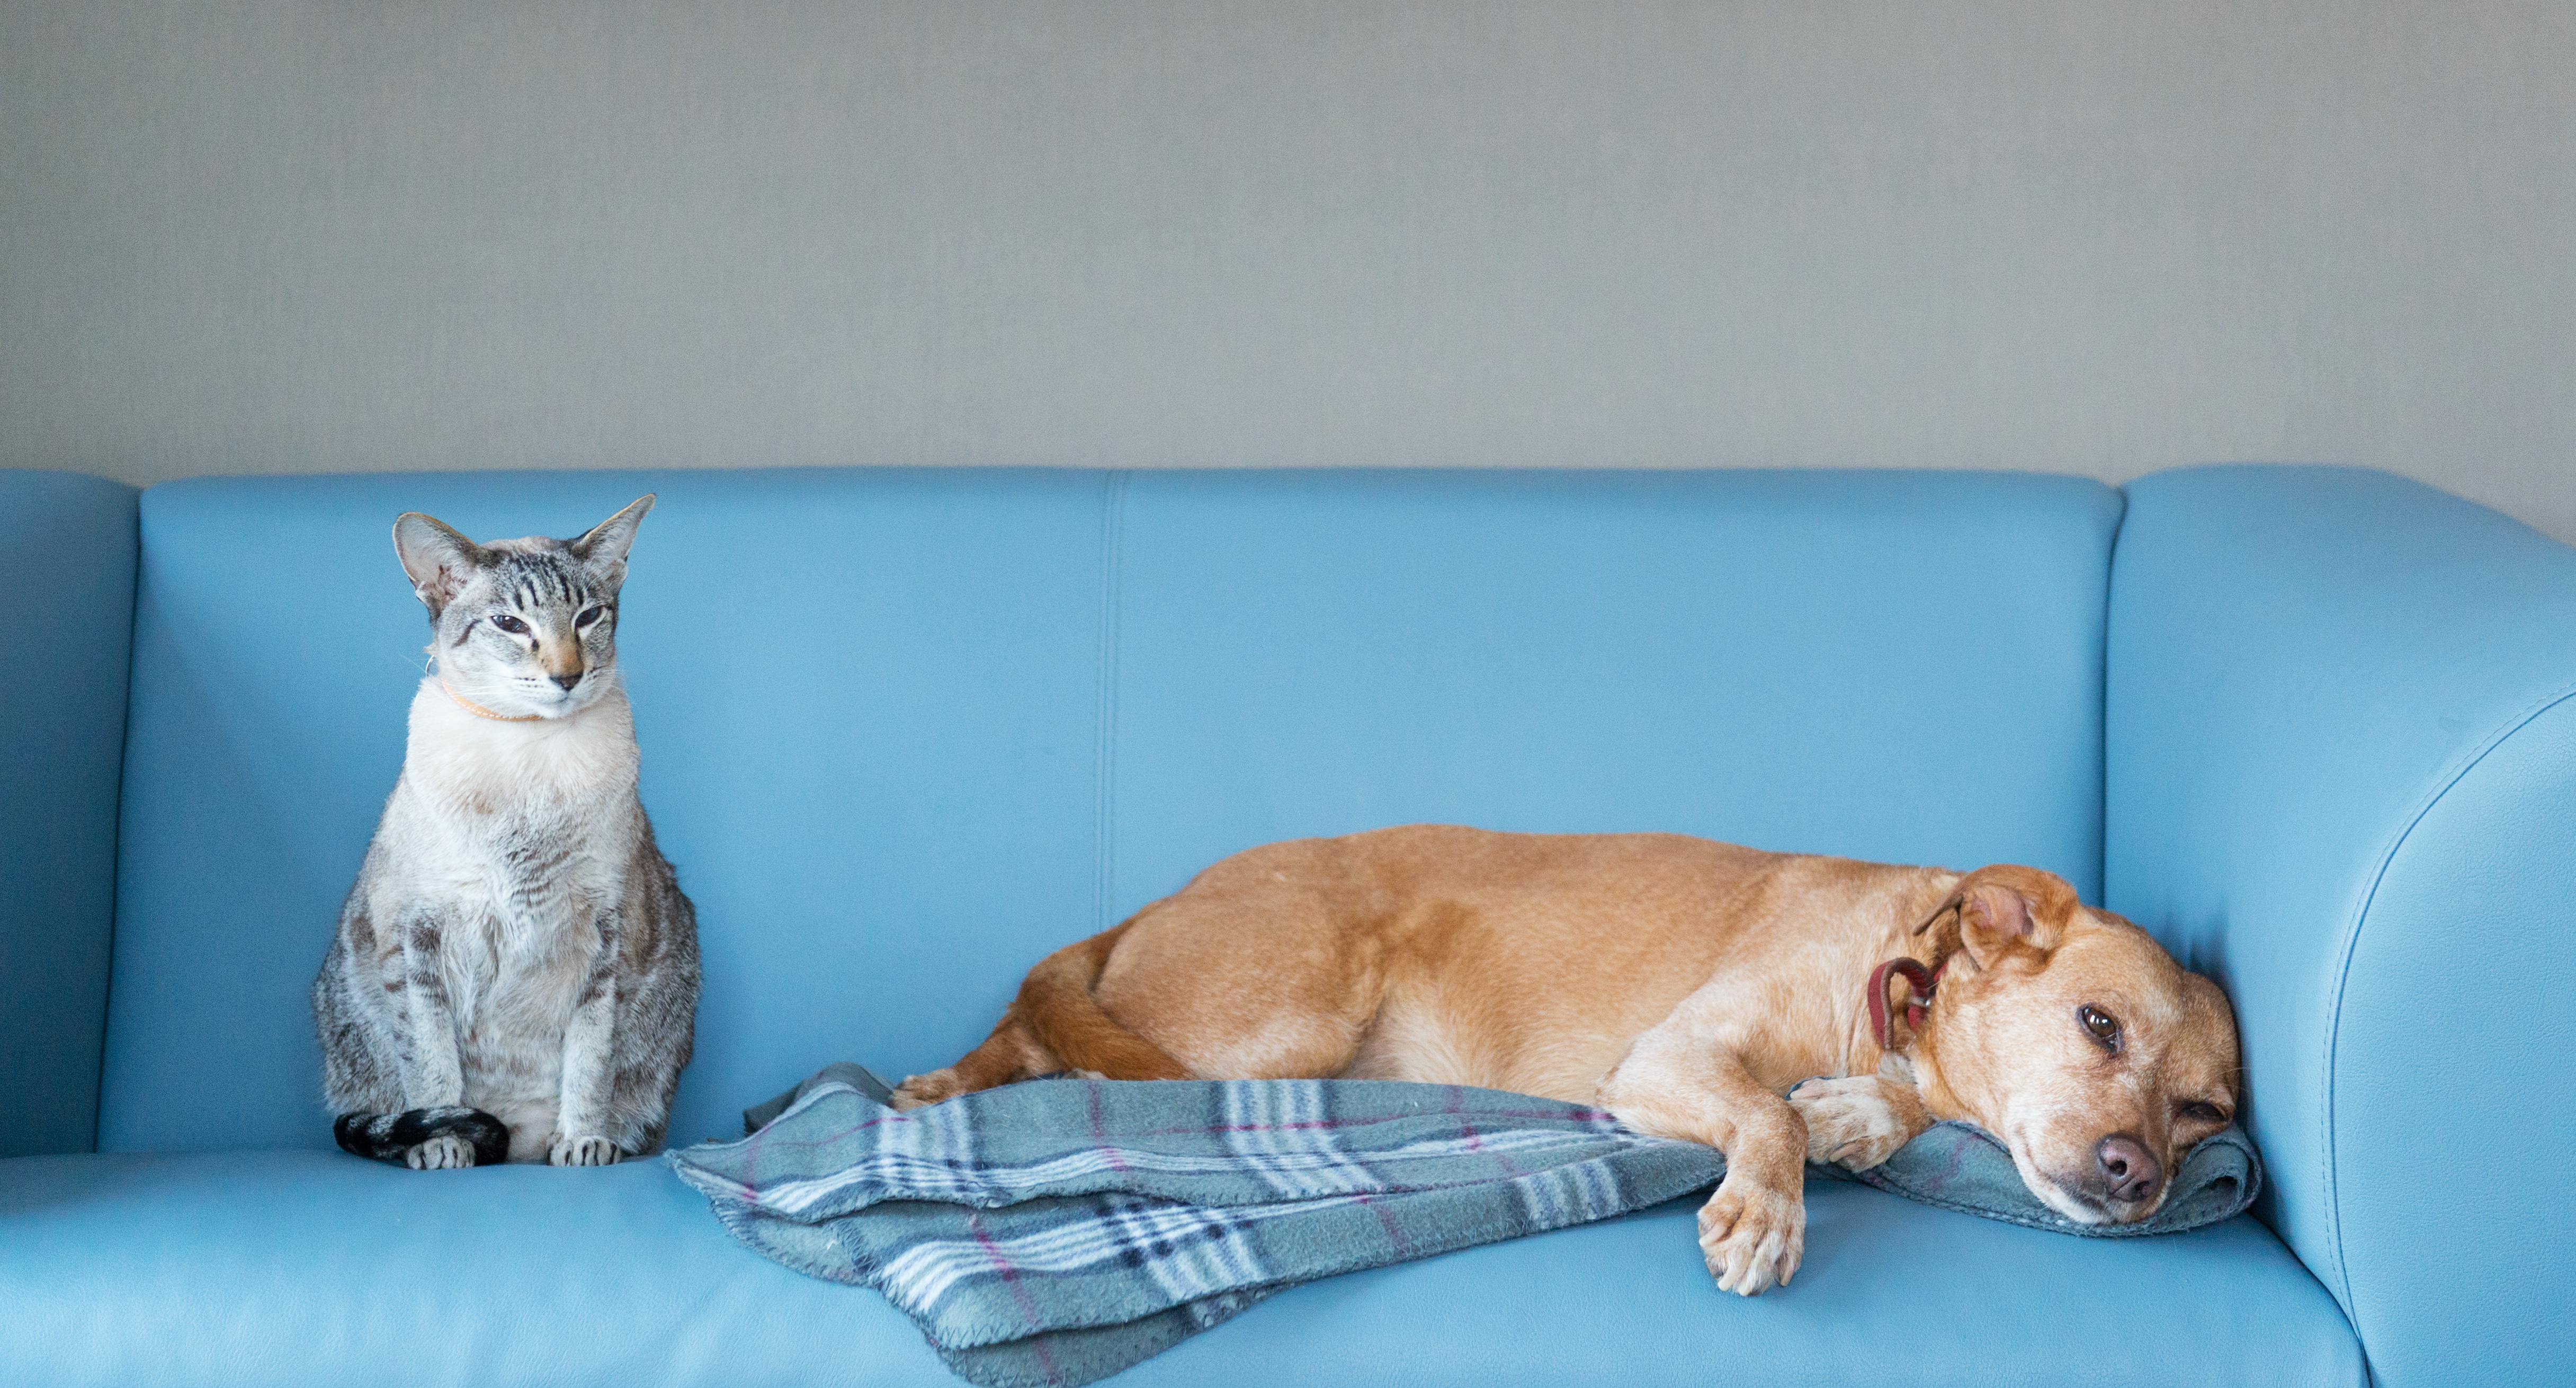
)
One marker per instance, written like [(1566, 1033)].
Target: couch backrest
[(905, 731)]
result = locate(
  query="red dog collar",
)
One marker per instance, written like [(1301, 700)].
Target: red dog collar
[(1917, 1005)]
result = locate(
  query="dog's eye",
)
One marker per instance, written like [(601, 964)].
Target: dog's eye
[(2099, 1025), (510, 624), (589, 615), (2203, 1113)]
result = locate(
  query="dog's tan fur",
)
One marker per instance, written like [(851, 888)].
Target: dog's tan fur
[(1684, 985)]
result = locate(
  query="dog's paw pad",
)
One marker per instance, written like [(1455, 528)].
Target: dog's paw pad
[(1854, 1123), (582, 1151), (445, 1152), (1752, 1238)]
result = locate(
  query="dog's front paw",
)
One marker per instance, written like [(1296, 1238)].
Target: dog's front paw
[(1752, 1237), (1857, 1122), (445, 1152), (582, 1151), (918, 1091)]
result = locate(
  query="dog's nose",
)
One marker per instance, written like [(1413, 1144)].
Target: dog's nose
[(568, 681), (2131, 1172)]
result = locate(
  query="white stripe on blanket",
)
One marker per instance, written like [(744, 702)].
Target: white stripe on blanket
[(916, 1280), (921, 1173)]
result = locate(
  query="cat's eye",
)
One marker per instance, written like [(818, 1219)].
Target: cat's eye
[(2099, 1025), (2197, 1112), (510, 624), (590, 615)]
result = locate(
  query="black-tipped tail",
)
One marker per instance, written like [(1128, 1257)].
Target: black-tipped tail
[(387, 1136)]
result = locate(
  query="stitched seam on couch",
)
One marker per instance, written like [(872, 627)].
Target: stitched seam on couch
[(2343, 973), (2102, 706), (116, 845), (1104, 831)]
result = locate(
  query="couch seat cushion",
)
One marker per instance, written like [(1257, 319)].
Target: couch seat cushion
[(299, 1267)]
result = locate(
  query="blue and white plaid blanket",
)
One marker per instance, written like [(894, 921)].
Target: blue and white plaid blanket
[(1058, 1231)]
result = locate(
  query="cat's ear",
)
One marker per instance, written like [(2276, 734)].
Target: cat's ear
[(604, 547), (438, 559)]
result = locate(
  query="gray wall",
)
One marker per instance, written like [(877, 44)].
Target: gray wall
[(257, 235)]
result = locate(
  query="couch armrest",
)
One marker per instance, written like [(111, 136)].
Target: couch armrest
[(67, 567), (2341, 778)]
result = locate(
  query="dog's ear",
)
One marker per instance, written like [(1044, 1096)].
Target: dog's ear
[(1999, 910)]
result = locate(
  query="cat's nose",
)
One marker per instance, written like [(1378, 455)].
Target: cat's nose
[(568, 680)]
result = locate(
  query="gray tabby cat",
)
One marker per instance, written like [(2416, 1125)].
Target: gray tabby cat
[(516, 973)]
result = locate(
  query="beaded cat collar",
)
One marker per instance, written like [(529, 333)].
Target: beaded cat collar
[(481, 712)]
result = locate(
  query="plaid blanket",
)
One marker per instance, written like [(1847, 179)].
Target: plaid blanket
[(1058, 1231)]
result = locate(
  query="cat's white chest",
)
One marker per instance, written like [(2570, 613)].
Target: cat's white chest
[(520, 831), (476, 769)]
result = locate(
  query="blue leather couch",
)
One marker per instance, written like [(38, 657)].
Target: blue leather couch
[(904, 731)]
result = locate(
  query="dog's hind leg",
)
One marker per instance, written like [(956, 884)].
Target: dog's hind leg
[(1010, 1054), (1053, 1025)]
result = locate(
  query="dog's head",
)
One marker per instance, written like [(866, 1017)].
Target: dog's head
[(2072, 1035)]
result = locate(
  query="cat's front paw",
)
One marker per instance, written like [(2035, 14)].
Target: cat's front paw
[(582, 1151), (445, 1152)]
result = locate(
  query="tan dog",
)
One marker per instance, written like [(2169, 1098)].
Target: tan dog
[(1684, 985)]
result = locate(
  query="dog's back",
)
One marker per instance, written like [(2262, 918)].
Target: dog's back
[(1427, 952)]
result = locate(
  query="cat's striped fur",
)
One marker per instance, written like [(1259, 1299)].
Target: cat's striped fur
[(516, 970)]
